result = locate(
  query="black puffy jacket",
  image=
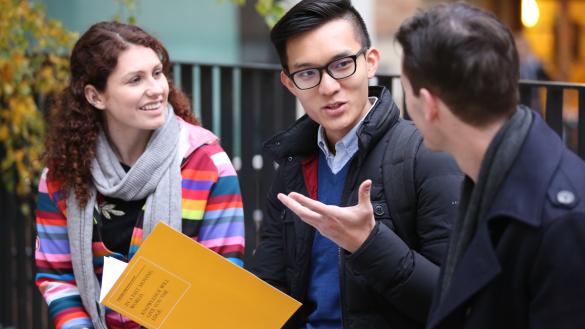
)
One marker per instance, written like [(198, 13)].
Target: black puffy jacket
[(385, 283)]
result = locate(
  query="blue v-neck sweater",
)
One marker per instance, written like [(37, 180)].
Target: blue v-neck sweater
[(324, 285)]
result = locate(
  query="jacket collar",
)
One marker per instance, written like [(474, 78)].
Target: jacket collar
[(300, 139), (528, 181), (526, 185)]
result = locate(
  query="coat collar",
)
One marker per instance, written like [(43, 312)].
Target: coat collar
[(528, 181), (526, 185), (300, 139)]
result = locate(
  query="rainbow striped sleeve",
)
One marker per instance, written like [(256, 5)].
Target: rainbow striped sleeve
[(212, 202), (54, 275)]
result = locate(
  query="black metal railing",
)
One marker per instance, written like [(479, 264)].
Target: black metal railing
[(558, 97), (243, 105)]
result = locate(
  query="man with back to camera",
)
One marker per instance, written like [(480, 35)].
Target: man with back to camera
[(378, 271), (516, 257)]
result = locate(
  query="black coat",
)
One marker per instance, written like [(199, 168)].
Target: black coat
[(525, 268), (385, 283)]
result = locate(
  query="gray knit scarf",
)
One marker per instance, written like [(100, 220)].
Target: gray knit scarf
[(477, 200), (156, 176)]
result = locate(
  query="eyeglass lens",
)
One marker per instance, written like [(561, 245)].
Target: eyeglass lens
[(338, 69)]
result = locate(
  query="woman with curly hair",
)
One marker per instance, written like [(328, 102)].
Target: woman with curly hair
[(123, 152)]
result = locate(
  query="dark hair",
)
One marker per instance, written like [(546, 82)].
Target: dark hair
[(74, 124), (464, 55), (308, 15)]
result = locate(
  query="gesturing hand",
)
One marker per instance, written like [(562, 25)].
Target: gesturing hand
[(348, 227)]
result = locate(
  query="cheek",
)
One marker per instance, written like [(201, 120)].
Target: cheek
[(358, 86), (308, 102), (165, 85)]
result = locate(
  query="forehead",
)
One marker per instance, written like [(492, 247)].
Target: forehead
[(136, 58), (323, 43)]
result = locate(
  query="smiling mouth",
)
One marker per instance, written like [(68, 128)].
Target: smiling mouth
[(333, 106), (151, 106)]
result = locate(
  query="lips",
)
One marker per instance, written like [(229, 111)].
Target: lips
[(333, 106), (335, 109), (151, 106)]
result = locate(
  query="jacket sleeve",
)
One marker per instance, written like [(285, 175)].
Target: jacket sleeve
[(222, 228), (268, 262), (54, 275), (407, 277), (556, 282)]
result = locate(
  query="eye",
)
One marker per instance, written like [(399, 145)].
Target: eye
[(157, 73), (341, 64), (307, 74), (135, 79)]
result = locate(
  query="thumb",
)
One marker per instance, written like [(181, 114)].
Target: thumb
[(364, 194)]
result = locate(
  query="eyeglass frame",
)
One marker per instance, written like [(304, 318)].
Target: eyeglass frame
[(325, 68)]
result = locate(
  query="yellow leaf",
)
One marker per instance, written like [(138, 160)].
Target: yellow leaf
[(3, 133)]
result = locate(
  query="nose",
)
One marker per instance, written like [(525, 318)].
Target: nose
[(155, 87), (328, 85)]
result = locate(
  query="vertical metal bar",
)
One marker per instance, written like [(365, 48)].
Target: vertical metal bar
[(227, 109), (246, 175), (196, 91), (581, 124), (525, 94), (187, 80), (405, 114), (177, 75), (554, 109), (206, 97), (237, 112), (216, 100)]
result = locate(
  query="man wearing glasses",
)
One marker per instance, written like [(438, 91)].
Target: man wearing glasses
[(331, 237)]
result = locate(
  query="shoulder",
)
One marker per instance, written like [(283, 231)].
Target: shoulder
[(432, 163), (193, 137), (210, 159), (406, 143), (50, 191), (566, 189)]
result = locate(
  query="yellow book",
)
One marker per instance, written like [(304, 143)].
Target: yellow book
[(175, 282)]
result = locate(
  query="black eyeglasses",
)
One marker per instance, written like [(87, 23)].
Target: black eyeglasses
[(340, 68)]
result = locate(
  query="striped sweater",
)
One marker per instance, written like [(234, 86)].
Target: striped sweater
[(212, 215)]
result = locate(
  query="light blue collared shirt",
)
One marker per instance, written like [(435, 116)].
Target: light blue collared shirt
[(345, 148)]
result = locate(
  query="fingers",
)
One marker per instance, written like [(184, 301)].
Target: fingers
[(308, 202), (305, 213)]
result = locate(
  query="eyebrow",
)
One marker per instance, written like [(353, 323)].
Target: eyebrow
[(333, 58), (129, 74)]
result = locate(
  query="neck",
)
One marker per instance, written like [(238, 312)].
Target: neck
[(469, 145), (129, 145)]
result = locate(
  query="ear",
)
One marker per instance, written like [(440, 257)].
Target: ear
[(372, 60), (288, 83), (94, 97), (430, 104)]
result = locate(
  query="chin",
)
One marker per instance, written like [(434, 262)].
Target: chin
[(155, 125)]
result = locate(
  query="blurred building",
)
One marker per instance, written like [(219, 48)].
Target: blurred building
[(216, 31), (221, 32), (196, 31)]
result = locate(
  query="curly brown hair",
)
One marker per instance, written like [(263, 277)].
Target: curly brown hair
[(74, 124)]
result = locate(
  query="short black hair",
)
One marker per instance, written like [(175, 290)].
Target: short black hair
[(464, 55), (308, 15)]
